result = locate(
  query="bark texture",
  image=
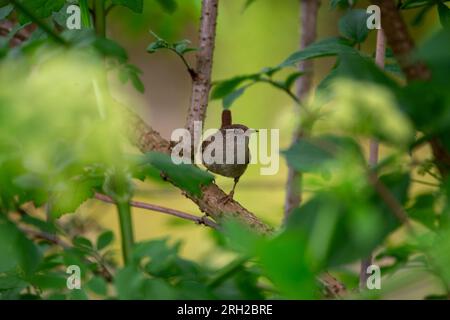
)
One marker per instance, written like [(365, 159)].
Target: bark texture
[(399, 39), (308, 31), (202, 77)]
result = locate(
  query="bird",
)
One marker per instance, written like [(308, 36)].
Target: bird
[(232, 170)]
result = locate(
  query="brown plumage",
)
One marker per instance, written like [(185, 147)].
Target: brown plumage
[(233, 170)]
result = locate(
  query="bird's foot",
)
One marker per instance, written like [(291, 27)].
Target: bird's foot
[(203, 220), (227, 198)]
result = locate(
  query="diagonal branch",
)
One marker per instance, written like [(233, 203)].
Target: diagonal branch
[(390, 200), (211, 200), (105, 271), (202, 80)]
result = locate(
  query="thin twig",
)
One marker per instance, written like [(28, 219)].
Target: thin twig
[(279, 86), (191, 71), (425, 183), (52, 238), (169, 211), (389, 199)]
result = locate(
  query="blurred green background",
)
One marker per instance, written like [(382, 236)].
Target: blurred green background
[(247, 40)]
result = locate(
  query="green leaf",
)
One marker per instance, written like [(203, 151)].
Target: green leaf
[(283, 258), (168, 5), (354, 25), (423, 210), (137, 82), (130, 72), (306, 155), (78, 295), (39, 223), (324, 48), (229, 99), (186, 176), (135, 5), (182, 47), (43, 8), (156, 45), (11, 281), (341, 227), (164, 260), (285, 261), (98, 285), (50, 280), (33, 188), (248, 3), (340, 3), (439, 256), (110, 48), (292, 78), (360, 68), (5, 11), (444, 14), (155, 249), (414, 96), (68, 196), (224, 88), (420, 16), (105, 239), (82, 243), (436, 53), (312, 154), (411, 4), (130, 284), (16, 250)]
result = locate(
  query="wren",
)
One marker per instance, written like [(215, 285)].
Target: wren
[(240, 142)]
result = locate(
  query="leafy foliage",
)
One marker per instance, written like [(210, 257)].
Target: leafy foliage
[(135, 5), (188, 177), (353, 25), (61, 143)]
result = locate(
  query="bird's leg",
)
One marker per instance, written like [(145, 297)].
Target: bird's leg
[(236, 180), (229, 196)]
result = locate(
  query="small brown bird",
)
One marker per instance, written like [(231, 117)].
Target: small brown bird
[(236, 169)]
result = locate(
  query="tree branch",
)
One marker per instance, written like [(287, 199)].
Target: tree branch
[(172, 212), (51, 238), (389, 199), (202, 80), (308, 17), (402, 45), (54, 239), (211, 200)]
